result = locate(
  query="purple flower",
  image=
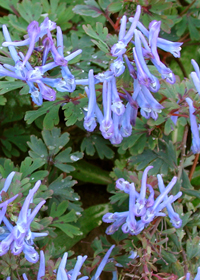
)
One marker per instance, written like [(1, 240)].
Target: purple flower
[(119, 48), (117, 137), (148, 104), (20, 237), (33, 31), (47, 92), (7, 183), (117, 219), (102, 264), (197, 277), (131, 225), (174, 217), (131, 69), (194, 128), (12, 49), (196, 75), (44, 26), (47, 44), (162, 69), (89, 120), (139, 208), (152, 82), (160, 203), (62, 274), (168, 46), (117, 67), (106, 126), (126, 121), (117, 106)]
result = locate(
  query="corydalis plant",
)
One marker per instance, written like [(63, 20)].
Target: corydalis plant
[(20, 238), (146, 209)]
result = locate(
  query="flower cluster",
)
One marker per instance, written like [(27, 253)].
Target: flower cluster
[(143, 210), (117, 119), (63, 274), (40, 85), (20, 238), (193, 121)]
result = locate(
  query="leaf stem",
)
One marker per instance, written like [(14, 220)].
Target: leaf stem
[(183, 148), (193, 166), (181, 67), (187, 8)]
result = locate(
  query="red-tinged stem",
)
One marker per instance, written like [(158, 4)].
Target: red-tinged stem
[(193, 167)]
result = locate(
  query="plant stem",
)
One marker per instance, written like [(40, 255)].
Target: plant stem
[(183, 147), (193, 166), (182, 67), (186, 9)]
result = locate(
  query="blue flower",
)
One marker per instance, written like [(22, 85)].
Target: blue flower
[(33, 30), (174, 217), (102, 264), (117, 106), (89, 120), (139, 208), (194, 128), (119, 48), (196, 76), (168, 46), (165, 72), (20, 238), (152, 83), (117, 67), (143, 207), (44, 26), (106, 126)]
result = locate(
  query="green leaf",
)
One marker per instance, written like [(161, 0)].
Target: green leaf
[(62, 222), (68, 229), (73, 111), (63, 187), (88, 172), (90, 219), (38, 147), (18, 23), (161, 159), (9, 4), (29, 165), (98, 143), (43, 110), (51, 118), (92, 9), (54, 140), (59, 210), (193, 247), (29, 10), (15, 135), (115, 7)]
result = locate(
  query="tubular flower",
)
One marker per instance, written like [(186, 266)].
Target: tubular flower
[(73, 274), (24, 71), (166, 45), (146, 209), (174, 217), (119, 48), (196, 75), (19, 238), (194, 128), (165, 72), (89, 120)]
